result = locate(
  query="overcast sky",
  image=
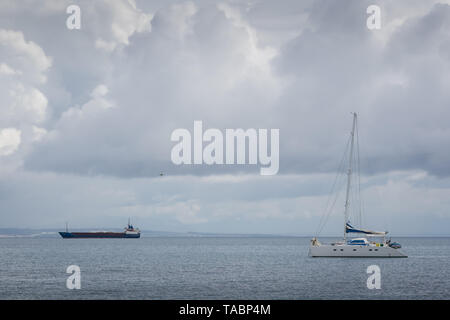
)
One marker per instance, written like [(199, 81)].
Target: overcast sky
[(86, 115)]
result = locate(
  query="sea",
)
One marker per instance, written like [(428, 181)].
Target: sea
[(215, 268)]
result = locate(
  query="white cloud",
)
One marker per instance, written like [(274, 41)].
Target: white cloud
[(22, 102), (100, 91), (24, 68), (125, 20), (9, 141), (91, 108), (179, 19), (30, 103), (105, 45), (7, 70), (26, 53), (253, 51), (38, 133)]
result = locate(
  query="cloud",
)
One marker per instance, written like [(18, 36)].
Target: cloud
[(31, 101), (7, 70), (23, 68), (38, 133), (9, 141), (27, 54), (337, 66), (122, 21), (207, 62), (167, 74), (284, 204), (23, 71), (95, 109)]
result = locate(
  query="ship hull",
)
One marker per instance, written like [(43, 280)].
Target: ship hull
[(98, 235), (353, 251)]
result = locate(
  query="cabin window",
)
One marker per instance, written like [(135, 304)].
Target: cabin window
[(334, 249), (354, 249), (376, 249), (370, 249), (342, 249)]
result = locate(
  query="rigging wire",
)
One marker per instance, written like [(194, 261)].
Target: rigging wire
[(328, 208), (355, 191)]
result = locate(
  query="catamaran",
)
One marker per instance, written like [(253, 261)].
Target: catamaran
[(355, 246)]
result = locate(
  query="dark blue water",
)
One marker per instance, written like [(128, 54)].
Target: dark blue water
[(215, 268)]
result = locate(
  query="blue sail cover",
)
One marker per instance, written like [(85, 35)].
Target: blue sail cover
[(350, 229)]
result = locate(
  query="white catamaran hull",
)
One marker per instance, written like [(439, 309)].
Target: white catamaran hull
[(324, 250)]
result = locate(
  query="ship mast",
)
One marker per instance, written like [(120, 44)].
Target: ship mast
[(349, 176)]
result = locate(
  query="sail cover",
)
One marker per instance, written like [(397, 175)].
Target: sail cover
[(350, 229)]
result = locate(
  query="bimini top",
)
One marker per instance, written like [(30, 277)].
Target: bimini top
[(350, 229), (358, 241)]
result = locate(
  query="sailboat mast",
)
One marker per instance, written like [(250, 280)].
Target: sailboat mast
[(349, 176)]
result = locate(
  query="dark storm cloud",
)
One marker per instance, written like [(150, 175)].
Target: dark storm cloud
[(398, 89), (197, 63)]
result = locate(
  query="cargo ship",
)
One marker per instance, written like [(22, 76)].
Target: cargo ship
[(129, 232)]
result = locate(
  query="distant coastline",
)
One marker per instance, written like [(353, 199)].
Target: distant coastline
[(53, 233)]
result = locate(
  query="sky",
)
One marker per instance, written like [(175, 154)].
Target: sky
[(86, 115)]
